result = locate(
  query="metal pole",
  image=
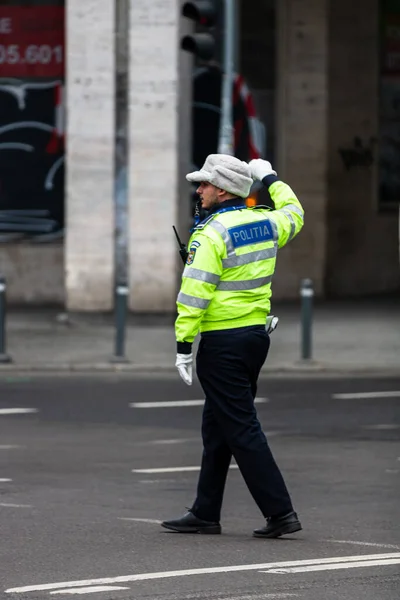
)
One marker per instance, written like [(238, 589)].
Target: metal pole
[(236, 39), (306, 294), (121, 174), (121, 302), (4, 357), (226, 131)]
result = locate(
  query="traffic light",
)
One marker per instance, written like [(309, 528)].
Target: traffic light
[(201, 43)]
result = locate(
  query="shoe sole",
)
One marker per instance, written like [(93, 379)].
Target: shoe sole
[(291, 528), (212, 530)]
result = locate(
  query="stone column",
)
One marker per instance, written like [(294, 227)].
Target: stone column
[(301, 136), (89, 253), (153, 161)]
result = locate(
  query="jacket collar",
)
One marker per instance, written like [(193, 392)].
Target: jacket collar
[(227, 204)]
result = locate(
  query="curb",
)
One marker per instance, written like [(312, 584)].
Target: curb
[(299, 368)]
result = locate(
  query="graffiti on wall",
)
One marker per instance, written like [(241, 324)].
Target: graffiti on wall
[(359, 154)]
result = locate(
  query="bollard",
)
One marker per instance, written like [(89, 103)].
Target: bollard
[(307, 294), (4, 357), (121, 301)]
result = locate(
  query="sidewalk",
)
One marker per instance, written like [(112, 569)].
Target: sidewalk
[(358, 336)]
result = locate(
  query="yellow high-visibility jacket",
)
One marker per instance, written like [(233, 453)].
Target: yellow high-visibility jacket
[(226, 282)]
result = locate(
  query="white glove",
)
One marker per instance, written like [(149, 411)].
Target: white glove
[(271, 323), (260, 168), (184, 364)]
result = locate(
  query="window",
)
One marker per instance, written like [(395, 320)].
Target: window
[(389, 112), (31, 118)]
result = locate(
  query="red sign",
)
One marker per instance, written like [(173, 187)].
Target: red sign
[(32, 41)]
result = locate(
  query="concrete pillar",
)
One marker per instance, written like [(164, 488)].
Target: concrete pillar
[(153, 160), (302, 104), (89, 252)]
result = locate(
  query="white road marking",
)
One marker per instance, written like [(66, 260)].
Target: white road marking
[(153, 481), (17, 411), (104, 588), (191, 440), (139, 520), (170, 442), (166, 404), (4, 480), (382, 427), (335, 566), (263, 597), (366, 559), (173, 469), (362, 395), (15, 505), (356, 543), (180, 403), (91, 590), (10, 447)]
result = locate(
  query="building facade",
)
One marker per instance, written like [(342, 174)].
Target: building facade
[(325, 76)]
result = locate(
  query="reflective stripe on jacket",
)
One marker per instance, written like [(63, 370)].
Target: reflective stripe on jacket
[(226, 282)]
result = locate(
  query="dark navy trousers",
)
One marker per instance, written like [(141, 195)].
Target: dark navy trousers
[(228, 365)]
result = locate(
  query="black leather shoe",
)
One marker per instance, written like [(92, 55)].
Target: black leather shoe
[(191, 524), (277, 526)]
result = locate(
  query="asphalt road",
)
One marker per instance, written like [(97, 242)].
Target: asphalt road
[(82, 494)]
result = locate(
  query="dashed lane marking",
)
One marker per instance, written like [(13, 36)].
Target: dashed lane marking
[(155, 521), (17, 411), (366, 560), (4, 505), (108, 588), (382, 427), (5, 480), (357, 543), (335, 566), (173, 469), (180, 403), (156, 481), (166, 404), (272, 596), (91, 590), (197, 439), (276, 596), (366, 395), (170, 442)]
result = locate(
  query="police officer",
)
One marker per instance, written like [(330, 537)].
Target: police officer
[(225, 295)]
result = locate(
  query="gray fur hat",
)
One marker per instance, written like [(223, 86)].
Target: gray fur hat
[(225, 172)]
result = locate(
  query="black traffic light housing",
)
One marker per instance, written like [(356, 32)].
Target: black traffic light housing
[(202, 11), (201, 44)]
